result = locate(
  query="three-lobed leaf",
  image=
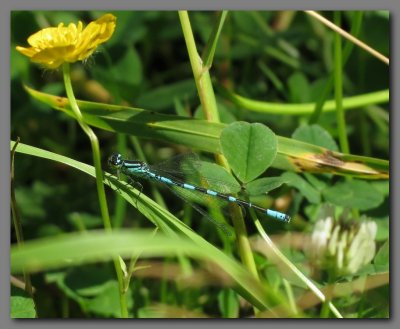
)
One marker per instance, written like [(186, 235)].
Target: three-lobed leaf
[(316, 135), (249, 148), (306, 189), (21, 305), (354, 194), (264, 185)]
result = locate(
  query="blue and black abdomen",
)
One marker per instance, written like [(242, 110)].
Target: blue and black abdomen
[(229, 198)]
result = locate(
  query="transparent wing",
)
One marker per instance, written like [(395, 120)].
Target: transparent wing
[(183, 165), (191, 197), (188, 168)]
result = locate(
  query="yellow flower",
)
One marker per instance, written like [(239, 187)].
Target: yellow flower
[(53, 46)]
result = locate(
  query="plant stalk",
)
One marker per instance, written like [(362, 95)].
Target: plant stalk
[(94, 142), (209, 104)]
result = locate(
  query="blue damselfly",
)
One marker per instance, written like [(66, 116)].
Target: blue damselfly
[(178, 179)]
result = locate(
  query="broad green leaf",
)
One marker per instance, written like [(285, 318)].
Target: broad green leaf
[(383, 187), (21, 305), (58, 278), (249, 148), (264, 185), (383, 228), (129, 68), (381, 260), (354, 194), (85, 281), (162, 98), (306, 189), (92, 286), (107, 303), (32, 199), (299, 88), (131, 29), (228, 302), (316, 135), (318, 182)]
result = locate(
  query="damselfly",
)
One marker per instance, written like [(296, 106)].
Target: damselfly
[(180, 179)]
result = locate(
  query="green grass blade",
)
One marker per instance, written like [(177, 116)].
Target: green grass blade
[(52, 252), (77, 248), (93, 246), (151, 210), (202, 135), (209, 50)]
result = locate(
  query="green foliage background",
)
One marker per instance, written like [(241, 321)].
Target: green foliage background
[(274, 57)]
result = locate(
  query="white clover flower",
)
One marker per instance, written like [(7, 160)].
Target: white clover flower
[(341, 248)]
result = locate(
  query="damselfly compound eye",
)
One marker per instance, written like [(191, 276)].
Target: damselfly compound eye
[(115, 160)]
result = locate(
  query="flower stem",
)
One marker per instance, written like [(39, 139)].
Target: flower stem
[(17, 223), (94, 142), (338, 83), (325, 311), (209, 104), (201, 74), (207, 98), (338, 80)]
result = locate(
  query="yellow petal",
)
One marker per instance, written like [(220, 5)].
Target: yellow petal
[(53, 46), (26, 51), (96, 33)]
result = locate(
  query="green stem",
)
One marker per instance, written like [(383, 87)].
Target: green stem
[(349, 103), (291, 298), (201, 75), (355, 30), (276, 256), (94, 142), (17, 222), (64, 307), (325, 311), (338, 81), (338, 89), (209, 104), (120, 202)]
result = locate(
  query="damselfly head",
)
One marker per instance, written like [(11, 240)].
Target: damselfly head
[(115, 161)]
